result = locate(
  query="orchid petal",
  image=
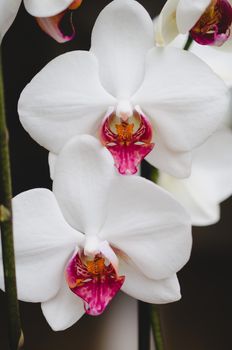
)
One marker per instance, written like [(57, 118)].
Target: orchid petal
[(65, 99), (140, 287), (175, 163), (46, 8), (212, 163), (166, 29), (203, 212), (122, 35), (52, 157), (51, 26), (83, 176), (9, 9), (210, 181), (184, 108), (64, 309), (188, 13), (149, 227), (218, 60), (43, 244)]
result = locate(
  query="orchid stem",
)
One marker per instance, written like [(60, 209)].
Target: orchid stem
[(188, 43), (148, 314), (156, 327), (14, 324)]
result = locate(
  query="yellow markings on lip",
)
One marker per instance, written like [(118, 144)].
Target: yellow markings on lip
[(96, 267), (125, 132)]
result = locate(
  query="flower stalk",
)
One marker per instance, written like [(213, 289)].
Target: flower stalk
[(188, 43), (14, 324), (156, 328)]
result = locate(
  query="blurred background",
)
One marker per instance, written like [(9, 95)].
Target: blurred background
[(202, 320)]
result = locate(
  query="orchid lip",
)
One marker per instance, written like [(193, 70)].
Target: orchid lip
[(214, 26), (127, 134), (94, 278)]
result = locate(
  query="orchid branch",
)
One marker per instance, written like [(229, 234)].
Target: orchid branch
[(14, 324)]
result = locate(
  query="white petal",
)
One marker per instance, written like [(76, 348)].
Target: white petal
[(175, 163), (63, 100), (46, 8), (210, 182), (189, 12), (166, 28), (84, 173), (140, 287), (122, 35), (212, 164), (203, 212), (8, 12), (51, 162), (217, 58), (182, 96), (147, 225), (64, 309), (43, 244)]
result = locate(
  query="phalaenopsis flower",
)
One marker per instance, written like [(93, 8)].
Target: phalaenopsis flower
[(96, 233), (139, 100), (207, 21), (210, 181)]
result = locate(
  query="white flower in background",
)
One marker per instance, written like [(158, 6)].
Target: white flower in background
[(210, 181), (207, 21), (49, 14), (139, 100), (96, 233)]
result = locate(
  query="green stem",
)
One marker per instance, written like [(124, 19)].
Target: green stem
[(149, 314), (156, 328), (14, 324), (188, 43)]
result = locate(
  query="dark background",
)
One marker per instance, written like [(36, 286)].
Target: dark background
[(202, 320)]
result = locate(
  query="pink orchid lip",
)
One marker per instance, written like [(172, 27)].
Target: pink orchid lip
[(127, 139), (54, 26), (213, 27), (94, 279)]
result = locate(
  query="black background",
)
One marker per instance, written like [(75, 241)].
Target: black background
[(202, 320)]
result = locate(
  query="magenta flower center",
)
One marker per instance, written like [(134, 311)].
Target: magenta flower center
[(213, 27), (93, 280), (128, 140)]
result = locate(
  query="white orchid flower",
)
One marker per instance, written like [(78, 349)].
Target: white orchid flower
[(93, 229), (207, 21), (210, 182), (49, 14), (141, 101)]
